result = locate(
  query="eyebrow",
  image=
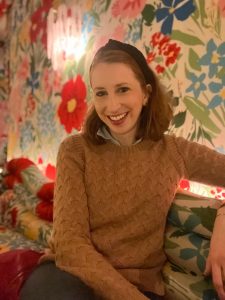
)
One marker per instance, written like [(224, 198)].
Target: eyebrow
[(117, 85)]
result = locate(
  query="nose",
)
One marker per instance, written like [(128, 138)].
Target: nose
[(113, 104)]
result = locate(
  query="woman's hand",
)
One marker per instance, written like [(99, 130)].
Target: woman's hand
[(215, 264)]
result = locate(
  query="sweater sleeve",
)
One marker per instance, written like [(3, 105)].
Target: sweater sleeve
[(74, 251), (198, 162)]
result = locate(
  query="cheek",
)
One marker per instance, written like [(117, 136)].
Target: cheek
[(99, 108)]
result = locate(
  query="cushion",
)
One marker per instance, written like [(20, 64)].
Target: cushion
[(193, 213), (183, 285), (16, 266), (22, 170)]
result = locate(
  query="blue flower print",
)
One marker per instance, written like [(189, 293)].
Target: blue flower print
[(27, 135), (219, 90), (214, 57), (33, 81), (88, 23), (181, 9), (197, 84), (45, 119)]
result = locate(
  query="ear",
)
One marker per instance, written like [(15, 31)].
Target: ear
[(147, 94)]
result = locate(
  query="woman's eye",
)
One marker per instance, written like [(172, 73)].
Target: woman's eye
[(123, 89), (100, 93)]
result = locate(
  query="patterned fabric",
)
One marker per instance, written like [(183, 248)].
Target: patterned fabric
[(10, 239), (187, 241), (82, 200), (183, 285), (19, 218)]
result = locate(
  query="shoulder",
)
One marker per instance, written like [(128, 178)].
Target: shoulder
[(72, 148), (73, 142)]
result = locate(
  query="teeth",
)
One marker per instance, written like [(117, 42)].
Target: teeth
[(118, 117)]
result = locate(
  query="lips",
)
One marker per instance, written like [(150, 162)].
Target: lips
[(117, 119)]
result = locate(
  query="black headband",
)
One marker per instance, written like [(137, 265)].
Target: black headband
[(135, 54)]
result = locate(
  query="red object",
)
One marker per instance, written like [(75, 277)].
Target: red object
[(10, 180), (50, 171), (46, 192), (14, 168), (44, 210), (185, 184), (15, 267), (16, 165)]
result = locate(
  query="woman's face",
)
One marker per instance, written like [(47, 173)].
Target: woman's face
[(118, 99)]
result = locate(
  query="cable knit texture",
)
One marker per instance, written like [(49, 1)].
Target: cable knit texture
[(110, 209)]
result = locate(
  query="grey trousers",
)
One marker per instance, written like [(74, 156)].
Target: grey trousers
[(47, 282)]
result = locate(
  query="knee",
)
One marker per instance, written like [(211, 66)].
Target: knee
[(48, 282)]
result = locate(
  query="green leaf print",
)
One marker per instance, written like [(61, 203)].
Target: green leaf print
[(170, 245), (191, 222), (218, 23), (194, 60), (221, 73), (203, 14), (107, 4), (185, 38), (179, 119), (201, 262), (207, 216), (148, 14), (201, 287), (200, 112), (176, 268), (178, 233), (188, 253)]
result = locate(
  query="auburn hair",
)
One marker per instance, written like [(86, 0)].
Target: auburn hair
[(155, 116)]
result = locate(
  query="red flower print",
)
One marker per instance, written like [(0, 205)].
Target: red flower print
[(163, 44), (171, 54), (185, 184), (73, 107), (39, 23), (159, 69), (14, 213), (30, 106), (155, 39), (150, 57), (127, 8), (221, 6), (161, 50), (3, 7)]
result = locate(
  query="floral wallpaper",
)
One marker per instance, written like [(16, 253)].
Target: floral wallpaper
[(182, 40), (4, 9)]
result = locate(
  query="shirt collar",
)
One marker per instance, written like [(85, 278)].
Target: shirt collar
[(105, 134)]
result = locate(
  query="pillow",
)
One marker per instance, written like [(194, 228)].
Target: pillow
[(193, 213), (23, 170), (42, 209), (16, 266)]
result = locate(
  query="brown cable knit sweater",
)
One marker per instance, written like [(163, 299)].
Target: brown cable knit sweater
[(110, 209)]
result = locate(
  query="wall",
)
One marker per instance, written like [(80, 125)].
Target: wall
[(183, 43)]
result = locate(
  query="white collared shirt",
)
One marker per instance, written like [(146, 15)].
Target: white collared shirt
[(105, 134)]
